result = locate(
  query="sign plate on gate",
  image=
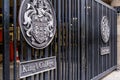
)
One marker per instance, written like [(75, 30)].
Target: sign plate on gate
[(105, 50), (37, 22), (29, 68)]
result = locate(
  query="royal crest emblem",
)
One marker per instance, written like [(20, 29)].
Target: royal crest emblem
[(37, 22), (105, 29)]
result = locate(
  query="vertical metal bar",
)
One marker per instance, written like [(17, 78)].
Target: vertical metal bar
[(104, 63), (112, 42), (113, 36), (5, 22), (110, 39), (14, 16), (21, 43), (98, 37), (55, 71), (66, 41), (28, 57), (51, 72), (102, 57), (83, 39), (72, 39), (69, 42), (46, 74), (87, 41), (76, 38), (63, 33), (79, 40), (116, 38), (115, 32), (112, 31), (93, 39), (21, 47), (35, 55), (59, 43), (106, 12), (78, 60), (50, 52), (41, 74), (90, 38), (100, 40)]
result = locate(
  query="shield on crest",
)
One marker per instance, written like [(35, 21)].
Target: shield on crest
[(37, 22), (39, 32)]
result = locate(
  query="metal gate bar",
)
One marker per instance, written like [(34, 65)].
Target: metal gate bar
[(82, 37), (76, 44), (63, 33), (66, 40), (5, 21), (59, 36), (15, 37)]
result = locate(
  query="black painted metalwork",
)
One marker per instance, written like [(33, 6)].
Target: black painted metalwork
[(5, 21), (15, 36), (117, 9), (76, 45), (99, 65)]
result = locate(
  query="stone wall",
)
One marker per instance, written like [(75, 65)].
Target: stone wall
[(117, 3), (118, 41)]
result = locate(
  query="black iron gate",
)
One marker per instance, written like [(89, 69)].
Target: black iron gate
[(99, 64), (77, 43)]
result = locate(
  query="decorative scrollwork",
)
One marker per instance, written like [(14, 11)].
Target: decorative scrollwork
[(37, 22)]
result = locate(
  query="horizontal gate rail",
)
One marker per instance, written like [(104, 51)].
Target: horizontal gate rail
[(101, 75), (103, 3)]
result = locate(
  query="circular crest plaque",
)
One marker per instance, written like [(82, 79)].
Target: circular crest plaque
[(37, 22), (105, 29)]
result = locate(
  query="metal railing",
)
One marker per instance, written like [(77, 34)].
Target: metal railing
[(76, 44)]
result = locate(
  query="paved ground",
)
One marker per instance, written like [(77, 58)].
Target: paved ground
[(115, 75)]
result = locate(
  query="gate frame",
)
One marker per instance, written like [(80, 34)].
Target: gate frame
[(6, 62), (101, 75)]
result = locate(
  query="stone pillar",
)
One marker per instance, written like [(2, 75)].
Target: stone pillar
[(117, 3), (118, 42)]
